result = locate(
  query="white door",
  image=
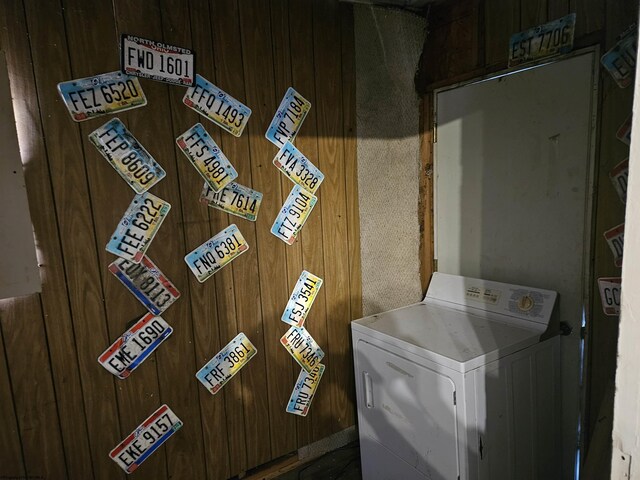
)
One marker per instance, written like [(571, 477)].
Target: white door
[(513, 163), (407, 418)]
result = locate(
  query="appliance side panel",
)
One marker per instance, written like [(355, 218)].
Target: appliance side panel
[(547, 409), (518, 409), (523, 413), (494, 418)]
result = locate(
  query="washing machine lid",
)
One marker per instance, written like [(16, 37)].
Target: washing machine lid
[(464, 323)]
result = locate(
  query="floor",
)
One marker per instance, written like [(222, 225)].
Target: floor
[(341, 464)]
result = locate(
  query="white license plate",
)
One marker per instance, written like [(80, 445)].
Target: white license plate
[(298, 168), (218, 106), (127, 156), (620, 61), (302, 347), (92, 97), (156, 60), (299, 304), (216, 252), (235, 199), (286, 122), (138, 226), (146, 439), (135, 345), (226, 363), (293, 214), (553, 38), (619, 175), (615, 240), (147, 283), (304, 391), (610, 295), (207, 158)]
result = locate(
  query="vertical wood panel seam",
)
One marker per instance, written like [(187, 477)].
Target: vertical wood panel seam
[(184, 239), (313, 140), (53, 387), (283, 193), (322, 227), (238, 9), (217, 309), (344, 163), (346, 121), (13, 398), (90, 213), (42, 312), (211, 220), (62, 255), (334, 390)]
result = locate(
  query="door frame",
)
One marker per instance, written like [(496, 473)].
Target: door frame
[(429, 264)]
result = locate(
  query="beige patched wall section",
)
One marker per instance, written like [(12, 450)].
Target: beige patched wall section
[(388, 47)]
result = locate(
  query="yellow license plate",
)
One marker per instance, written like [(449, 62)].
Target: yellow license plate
[(298, 168), (216, 252), (235, 199), (293, 214), (125, 154), (304, 391), (553, 38), (286, 122), (138, 226), (302, 347), (226, 363), (218, 106), (299, 304), (207, 158), (92, 97)]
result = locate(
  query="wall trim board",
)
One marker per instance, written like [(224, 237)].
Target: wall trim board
[(19, 269)]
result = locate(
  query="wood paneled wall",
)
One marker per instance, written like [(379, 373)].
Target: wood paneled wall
[(60, 411), (469, 39)]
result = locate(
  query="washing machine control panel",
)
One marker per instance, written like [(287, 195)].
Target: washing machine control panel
[(533, 304)]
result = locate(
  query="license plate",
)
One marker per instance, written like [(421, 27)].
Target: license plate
[(205, 155), (226, 363), (610, 294), (624, 132), (620, 61), (135, 345), (216, 252), (286, 122), (218, 106), (304, 391), (293, 214), (235, 199), (146, 439), (125, 154), (298, 168), (138, 226), (147, 283), (299, 304), (92, 97), (553, 38), (302, 347), (615, 240), (620, 177), (156, 60)]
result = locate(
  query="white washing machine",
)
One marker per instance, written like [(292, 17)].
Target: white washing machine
[(459, 386)]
